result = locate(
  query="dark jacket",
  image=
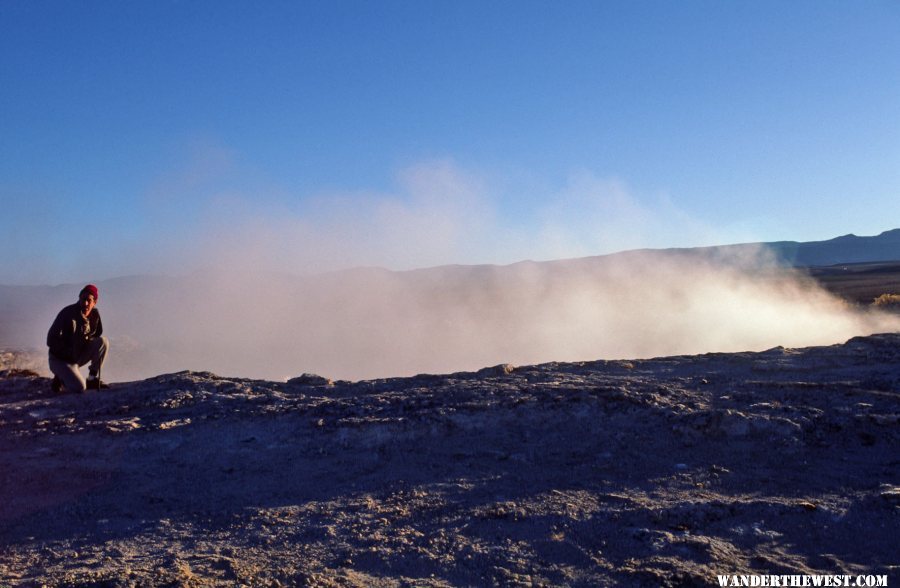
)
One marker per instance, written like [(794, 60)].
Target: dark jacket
[(71, 331)]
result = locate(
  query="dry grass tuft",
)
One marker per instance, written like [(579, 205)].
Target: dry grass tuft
[(887, 302)]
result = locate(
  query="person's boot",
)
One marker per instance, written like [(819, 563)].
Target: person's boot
[(95, 384), (56, 385)]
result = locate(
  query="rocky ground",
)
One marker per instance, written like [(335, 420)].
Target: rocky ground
[(656, 472)]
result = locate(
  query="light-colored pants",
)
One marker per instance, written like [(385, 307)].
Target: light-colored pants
[(94, 352)]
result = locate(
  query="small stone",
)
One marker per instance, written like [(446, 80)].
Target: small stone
[(503, 369), (890, 493), (310, 380)]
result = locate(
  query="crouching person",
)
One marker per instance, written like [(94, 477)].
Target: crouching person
[(76, 339)]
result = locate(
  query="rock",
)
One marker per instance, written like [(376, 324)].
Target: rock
[(563, 474), (18, 373), (503, 369), (735, 424), (310, 380), (890, 493)]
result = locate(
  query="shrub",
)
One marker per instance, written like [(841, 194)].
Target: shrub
[(888, 302)]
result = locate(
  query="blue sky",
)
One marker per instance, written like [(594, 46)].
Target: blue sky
[(305, 136)]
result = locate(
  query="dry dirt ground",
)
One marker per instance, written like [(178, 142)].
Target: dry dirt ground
[(636, 473)]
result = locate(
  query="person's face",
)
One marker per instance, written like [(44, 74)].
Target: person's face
[(87, 303)]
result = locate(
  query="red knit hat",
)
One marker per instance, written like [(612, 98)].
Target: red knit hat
[(90, 289)]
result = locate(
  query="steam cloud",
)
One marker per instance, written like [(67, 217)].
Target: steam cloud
[(435, 213), (372, 323), (253, 313)]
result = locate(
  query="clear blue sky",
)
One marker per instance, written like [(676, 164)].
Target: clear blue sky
[(159, 136)]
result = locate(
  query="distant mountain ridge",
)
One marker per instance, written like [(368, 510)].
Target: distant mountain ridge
[(847, 249), (844, 249)]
